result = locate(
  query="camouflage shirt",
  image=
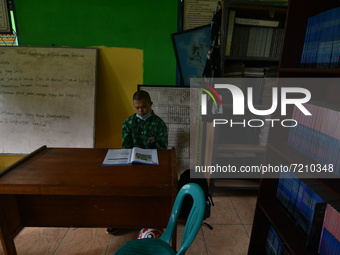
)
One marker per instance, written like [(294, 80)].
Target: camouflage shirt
[(151, 133)]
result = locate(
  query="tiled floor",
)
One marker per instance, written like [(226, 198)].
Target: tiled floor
[(231, 218)]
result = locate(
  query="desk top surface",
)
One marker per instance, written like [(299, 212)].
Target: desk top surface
[(79, 171)]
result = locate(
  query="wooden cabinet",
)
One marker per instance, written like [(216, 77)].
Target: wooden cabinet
[(251, 42), (269, 212)]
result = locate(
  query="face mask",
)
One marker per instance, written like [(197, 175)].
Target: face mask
[(145, 117)]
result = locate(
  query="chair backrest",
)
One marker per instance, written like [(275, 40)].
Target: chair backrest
[(195, 217)]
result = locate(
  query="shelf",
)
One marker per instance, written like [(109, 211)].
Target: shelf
[(289, 154), (292, 236), (309, 70), (239, 150), (269, 212), (247, 184), (235, 154), (258, 4), (249, 59), (246, 148)]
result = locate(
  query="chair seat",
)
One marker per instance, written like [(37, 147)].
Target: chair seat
[(146, 246)]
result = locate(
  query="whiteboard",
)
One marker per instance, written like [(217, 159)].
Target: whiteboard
[(47, 97)]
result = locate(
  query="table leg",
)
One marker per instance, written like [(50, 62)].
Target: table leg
[(10, 224), (8, 245)]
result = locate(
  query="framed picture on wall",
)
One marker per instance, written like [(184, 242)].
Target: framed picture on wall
[(5, 21), (191, 48)]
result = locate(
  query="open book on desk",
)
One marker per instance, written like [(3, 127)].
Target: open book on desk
[(129, 156)]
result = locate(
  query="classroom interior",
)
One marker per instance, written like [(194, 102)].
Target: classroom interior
[(134, 47), (129, 53)]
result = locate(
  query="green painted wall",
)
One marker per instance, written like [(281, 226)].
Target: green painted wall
[(140, 24)]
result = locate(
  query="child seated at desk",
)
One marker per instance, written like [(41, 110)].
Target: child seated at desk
[(144, 129)]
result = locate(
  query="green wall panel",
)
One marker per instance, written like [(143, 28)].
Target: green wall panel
[(140, 24)]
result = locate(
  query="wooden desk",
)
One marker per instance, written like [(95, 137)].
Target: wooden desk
[(68, 187)]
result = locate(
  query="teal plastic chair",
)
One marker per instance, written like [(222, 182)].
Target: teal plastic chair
[(161, 245)]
